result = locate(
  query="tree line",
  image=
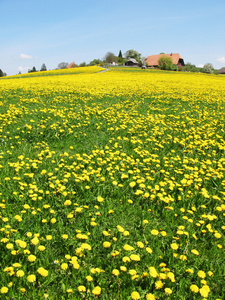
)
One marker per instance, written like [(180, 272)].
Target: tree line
[(2, 74), (164, 63), (109, 58)]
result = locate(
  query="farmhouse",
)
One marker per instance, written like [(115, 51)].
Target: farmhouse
[(131, 62), (72, 65), (152, 60), (222, 71)]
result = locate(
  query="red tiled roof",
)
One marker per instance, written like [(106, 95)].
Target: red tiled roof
[(152, 60), (72, 65)]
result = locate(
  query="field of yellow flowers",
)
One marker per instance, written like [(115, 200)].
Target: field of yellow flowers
[(112, 185)]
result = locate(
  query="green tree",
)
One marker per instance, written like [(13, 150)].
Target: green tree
[(174, 67), (32, 70), (83, 64), (43, 68), (165, 62), (62, 65), (109, 57), (1, 73), (95, 61), (133, 54), (208, 68), (120, 59)]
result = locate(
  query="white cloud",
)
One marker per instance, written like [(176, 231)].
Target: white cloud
[(25, 56), (221, 59), (23, 69), (200, 66)]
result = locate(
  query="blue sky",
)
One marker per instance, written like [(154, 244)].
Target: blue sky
[(34, 32)]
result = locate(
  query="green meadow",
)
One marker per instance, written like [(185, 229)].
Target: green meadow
[(112, 185)]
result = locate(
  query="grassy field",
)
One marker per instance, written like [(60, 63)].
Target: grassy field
[(112, 185)]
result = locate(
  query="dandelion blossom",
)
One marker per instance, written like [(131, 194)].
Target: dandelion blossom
[(4, 290), (96, 291), (150, 296), (31, 278), (154, 232), (135, 295)]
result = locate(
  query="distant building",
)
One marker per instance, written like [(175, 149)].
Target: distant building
[(72, 65), (152, 60), (221, 71), (131, 62), (113, 63)]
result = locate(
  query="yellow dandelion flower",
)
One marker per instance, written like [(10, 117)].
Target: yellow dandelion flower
[(163, 233), (128, 247), (115, 272), (20, 273), (194, 288), (96, 291), (43, 272), (204, 293), (194, 251), (174, 246), (100, 199), (158, 284), (126, 259), (135, 295), (31, 278), (67, 203), (4, 290), (149, 250), (31, 258), (168, 291), (132, 184), (201, 274), (41, 248), (150, 296), (135, 257), (126, 233), (140, 245), (9, 246), (106, 244), (64, 266), (34, 241), (89, 278), (65, 236), (81, 288), (53, 220), (154, 232), (153, 272)]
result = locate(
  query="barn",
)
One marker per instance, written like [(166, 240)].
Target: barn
[(131, 62), (152, 60)]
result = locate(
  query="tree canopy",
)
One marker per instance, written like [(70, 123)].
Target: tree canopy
[(43, 68), (133, 54), (165, 62), (109, 57), (62, 65), (95, 61), (208, 68), (32, 70)]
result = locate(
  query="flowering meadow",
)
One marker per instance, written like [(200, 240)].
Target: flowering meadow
[(112, 185)]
